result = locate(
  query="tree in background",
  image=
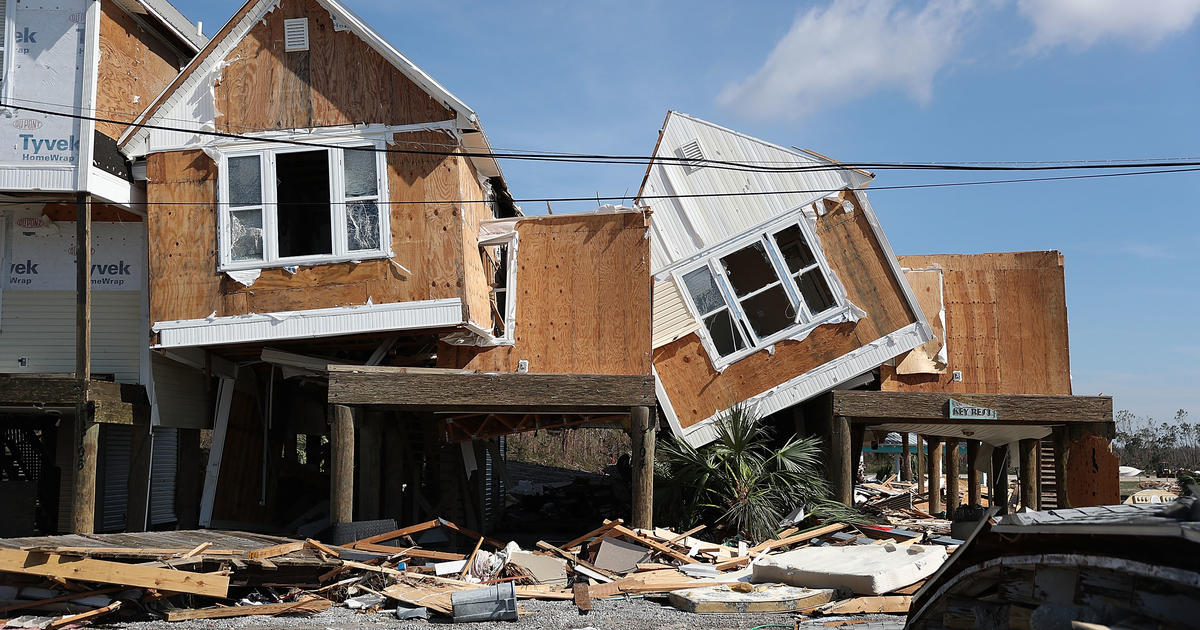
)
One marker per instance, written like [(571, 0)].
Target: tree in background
[(1143, 443), (740, 483)]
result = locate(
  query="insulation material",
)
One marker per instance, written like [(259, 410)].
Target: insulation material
[(928, 285), (863, 569)]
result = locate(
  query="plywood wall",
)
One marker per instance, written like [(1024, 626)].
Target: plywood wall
[(583, 299), (1006, 325), (135, 66), (427, 240), (340, 80), (476, 279), (697, 390)]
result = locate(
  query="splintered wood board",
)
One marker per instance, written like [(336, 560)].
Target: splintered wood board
[(106, 572), (306, 607)]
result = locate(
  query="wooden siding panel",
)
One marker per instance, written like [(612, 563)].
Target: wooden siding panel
[(476, 281), (583, 299), (426, 240), (135, 66), (697, 390), (340, 80), (1006, 325)]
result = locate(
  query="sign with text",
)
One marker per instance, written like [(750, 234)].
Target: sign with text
[(46, 72), (42, 256), (960, 411)]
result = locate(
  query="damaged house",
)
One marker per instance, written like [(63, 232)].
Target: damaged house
[(341, 261), (77, 395)]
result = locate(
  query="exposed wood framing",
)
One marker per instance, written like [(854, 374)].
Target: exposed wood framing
[(106, 572), (482, 426), (493, 392), (111, 403)]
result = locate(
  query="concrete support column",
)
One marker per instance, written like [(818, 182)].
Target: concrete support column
[(341, 469), (643, 436), (841, 461), (935, 474), (1029, 474), (974, 492), (952, 489)]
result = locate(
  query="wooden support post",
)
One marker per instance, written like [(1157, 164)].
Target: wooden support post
[(642, 429), (841, 477), (974, 492), (952, 491), (369, 463), (857, 435), (341, 469), (83, 288), (1062, 445), (905, 463), (87, 442), (137, 510), (998, 488), (935, 474), (1029, 474), (920, 464)]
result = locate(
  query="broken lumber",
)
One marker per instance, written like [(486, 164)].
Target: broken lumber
[(583, 600), (570, 557), (891, 604), (106, 572), (315, 544), (84, 616), (412, 552), (310, 606), (653, 544), (592, 534), (61, 598), (263, 553)]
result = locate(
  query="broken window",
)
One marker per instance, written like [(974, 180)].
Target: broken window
[(497, 266), (286, 206), (767, 289)]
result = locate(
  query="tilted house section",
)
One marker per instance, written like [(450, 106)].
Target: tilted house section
[(370, 227), (771, 286)]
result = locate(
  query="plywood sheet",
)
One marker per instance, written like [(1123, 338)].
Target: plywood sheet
[(1006, 325), (583, 299), (927, 286), (134, 67), (340, 80), (1091, 473), (697, 390)]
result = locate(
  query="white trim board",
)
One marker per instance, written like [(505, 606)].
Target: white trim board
[(322, 322), (811, 383)]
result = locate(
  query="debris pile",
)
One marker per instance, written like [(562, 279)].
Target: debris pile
[(833, 568)]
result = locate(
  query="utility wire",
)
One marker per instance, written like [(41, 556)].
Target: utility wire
[(641, 160)]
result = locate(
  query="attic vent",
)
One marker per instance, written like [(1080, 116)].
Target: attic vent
[(295, 34), (692, 155)]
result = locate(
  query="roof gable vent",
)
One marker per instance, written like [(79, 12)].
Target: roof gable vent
[(295, 34), (692, 156)]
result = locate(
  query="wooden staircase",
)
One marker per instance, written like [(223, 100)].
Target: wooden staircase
[(1047, 476)]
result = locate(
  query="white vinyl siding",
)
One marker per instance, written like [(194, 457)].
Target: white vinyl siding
[(671, 318), (40, 325)]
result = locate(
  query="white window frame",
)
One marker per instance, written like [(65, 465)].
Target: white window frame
[(804, 319), (338, 203), (510, 286)]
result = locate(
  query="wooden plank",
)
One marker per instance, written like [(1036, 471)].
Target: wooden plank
[(653, 544), (274, 550), (491, 391), (84, 616), (197, 549), (583, 599), (310, 606), (689, 532), (4, 610), (397, 533), (106, 572), (570, 557), (932, 408), (466, 570), (768, 545), (412, 552), (323, 548), (888, 604), (592, 534)]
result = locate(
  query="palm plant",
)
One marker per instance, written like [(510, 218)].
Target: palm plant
[(742, 484)]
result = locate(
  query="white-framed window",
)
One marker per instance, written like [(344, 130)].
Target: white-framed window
[(760, 289), (291, 205), (499, 266)]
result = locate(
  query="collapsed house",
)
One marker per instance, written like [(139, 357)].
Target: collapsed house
[(62, 182)]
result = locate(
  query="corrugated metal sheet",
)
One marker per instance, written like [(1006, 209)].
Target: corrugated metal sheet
[(181, 394), (41, 325), (312, 323), (116, 442), (683, 228), (163, 464), (672, 319)]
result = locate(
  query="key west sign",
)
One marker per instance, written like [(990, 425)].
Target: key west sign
[(960, 411)]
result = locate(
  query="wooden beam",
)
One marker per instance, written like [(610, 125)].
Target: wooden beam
[(933, 408), (841, 475), (87, 446), (952, 489), (83, 286), (974, 491), (341, 470), (83, 616), (1029, 473), (303, 607), (274, 550), (107, 572), (425, 554), (643, 433), (594, 533), (935, 474), (469, 392)]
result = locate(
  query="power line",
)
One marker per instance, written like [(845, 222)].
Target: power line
[(644, 160)]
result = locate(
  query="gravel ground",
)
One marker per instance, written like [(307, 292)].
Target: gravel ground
[(633, 614)]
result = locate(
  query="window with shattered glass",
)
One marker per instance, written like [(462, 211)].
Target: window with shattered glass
[(362, 198), (245, 209), (723, 328)]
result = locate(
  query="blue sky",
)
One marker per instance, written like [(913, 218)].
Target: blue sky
[(928, 80)]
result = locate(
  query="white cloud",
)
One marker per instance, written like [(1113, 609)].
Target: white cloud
[(849, 49), (1080, 23)]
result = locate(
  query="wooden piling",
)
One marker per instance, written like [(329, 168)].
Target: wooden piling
[(935, 474), (642, 434), (952, 488), (974, 491), (1029, 473), (341, 470)]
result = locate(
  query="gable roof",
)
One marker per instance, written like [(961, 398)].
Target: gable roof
[(171, 18), (208, 63)]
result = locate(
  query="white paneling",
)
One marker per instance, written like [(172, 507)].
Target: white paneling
[(40, 325), (672, 319), (181, 393)]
